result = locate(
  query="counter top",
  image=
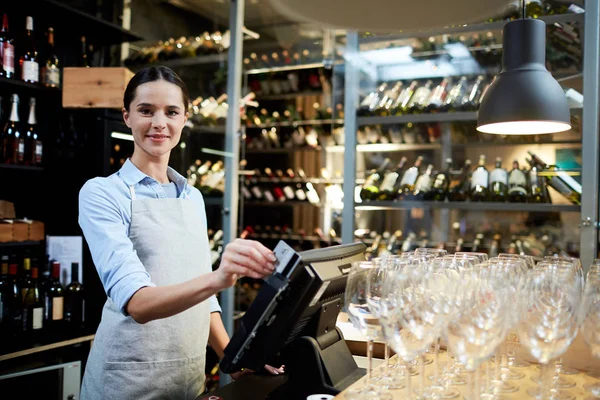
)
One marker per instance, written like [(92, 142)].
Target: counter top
[(524, 384)]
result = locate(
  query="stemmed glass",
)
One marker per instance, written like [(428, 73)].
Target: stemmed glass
[(590, 317), (550, 301), (481, 321), (366, 322), (375, 279), (405, 308)]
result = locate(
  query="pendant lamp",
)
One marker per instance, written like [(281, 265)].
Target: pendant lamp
[(524, 99)]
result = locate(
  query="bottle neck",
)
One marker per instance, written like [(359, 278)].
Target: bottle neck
[(32, 120), (5, 23), (14, 115)]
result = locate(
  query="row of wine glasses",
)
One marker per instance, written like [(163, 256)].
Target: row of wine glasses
[(416, 300)]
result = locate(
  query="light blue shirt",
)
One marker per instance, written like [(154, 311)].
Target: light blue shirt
[(105, 218)]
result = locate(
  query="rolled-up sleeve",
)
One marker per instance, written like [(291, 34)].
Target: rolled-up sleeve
[(118, 265), (213, 304)]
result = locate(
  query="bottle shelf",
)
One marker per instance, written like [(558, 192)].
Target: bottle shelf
[(279, 204), (419, 118), (20, 351), (310, 238), (287, 96), (35, 86), (217, 129), (281, 150), (186, 62), (298, 123), (96, 30), (283, 68), (466, 28), (466, 205), (398, 147), (385, 147), (20, 244), (21, 167)]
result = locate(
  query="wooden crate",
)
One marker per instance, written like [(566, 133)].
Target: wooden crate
[(95, 87)]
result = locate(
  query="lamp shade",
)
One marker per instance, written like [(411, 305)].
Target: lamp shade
[(524, 98)]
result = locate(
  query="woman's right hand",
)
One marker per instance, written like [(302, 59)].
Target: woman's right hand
[(244, 257)]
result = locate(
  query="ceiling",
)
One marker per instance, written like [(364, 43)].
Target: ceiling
[(259, 17)]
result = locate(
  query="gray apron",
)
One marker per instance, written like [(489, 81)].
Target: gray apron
[(162, 359)]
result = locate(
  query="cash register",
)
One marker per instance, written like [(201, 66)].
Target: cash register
[(292, 322)]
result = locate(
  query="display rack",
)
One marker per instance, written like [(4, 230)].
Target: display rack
[(589, 143)]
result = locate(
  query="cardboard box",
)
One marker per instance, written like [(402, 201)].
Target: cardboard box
[(95, 87), (6, 231), (37, 231), (20, 231), (7, 209)]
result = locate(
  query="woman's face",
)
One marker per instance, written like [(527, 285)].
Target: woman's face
[(156, 117)]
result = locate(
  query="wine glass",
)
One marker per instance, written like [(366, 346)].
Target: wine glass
[(590, 317), (481, 321), (375, 278), (406, 306), (550, 299), (359, 313)]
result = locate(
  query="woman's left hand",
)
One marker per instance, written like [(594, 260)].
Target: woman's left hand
[(272, 370)]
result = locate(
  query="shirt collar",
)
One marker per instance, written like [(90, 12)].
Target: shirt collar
[(132, 175)]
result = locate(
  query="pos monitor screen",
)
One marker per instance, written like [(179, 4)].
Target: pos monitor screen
[(293, 318)]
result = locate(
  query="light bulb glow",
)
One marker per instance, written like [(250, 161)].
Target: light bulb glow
[(524, 127)]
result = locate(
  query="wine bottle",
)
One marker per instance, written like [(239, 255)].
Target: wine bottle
[(299, 192), (498, 182), (559, 180), (537, 186), (7, 50), (418, 102), (439, 188), (388, 98), (455, 95), (12, 138), (370, 189), (4, 295), (74, 300), (438, 96), (30, 69), (54, 300), (460, 185), (33, 144), (423, 184), (400, 106), (15, 297), (25, 280), (517, 184), (33, 307), (389, 185), (495, 249), (83, 53), (369, 103), (480, 181), (470, 102), (275, 186), (287, 189), (51, 69), (407, 184)]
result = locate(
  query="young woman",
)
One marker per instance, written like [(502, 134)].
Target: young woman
[(146, 229)]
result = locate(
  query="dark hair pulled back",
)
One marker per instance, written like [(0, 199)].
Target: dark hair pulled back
[(151, 74)]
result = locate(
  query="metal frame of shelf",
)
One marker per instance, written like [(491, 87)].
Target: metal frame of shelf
[(590, 142), (297, 123), (467, 205), (466, 28)]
